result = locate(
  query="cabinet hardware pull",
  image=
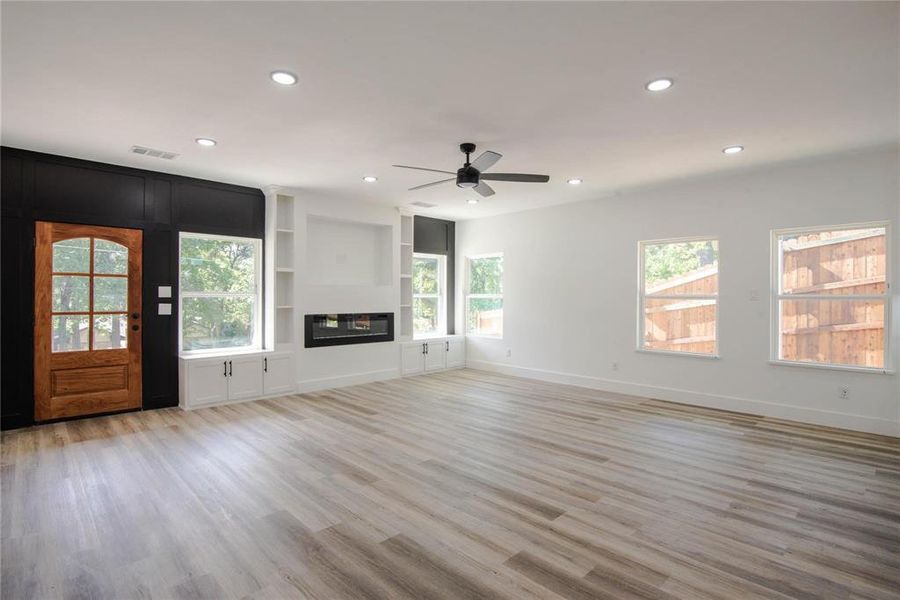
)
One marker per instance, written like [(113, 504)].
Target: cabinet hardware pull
[(225, 364), (265, 364), (448, 345), (230, 369)]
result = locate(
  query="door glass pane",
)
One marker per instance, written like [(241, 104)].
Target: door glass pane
[(110, 258), (838, 332), (70, 333), (70, 293), (110, 294), (485, 316), (110, 331), (687, 325), (849, 261), (425, 315), (72, 256), (682, 268), (209, 323)]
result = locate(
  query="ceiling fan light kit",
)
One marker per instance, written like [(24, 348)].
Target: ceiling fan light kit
[(472, 174)]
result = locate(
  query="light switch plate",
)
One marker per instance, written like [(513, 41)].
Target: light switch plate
[(165, 291), (164, 308)]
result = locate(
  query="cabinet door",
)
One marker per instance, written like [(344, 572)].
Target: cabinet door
[(206, 382), (278, 374), (412, 358), (435, 355), (456, 353), (245, 377)]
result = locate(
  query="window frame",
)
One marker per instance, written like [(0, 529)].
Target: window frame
[(469, 295), (258, 296), (641, 294), (775, 296), (441, 295)]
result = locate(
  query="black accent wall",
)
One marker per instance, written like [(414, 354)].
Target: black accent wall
[(44, 187), (437, 236)]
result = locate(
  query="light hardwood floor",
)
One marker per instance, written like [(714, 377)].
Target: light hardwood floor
[(457, 485)]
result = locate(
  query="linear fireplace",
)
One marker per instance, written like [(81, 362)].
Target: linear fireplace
[(348, 328)]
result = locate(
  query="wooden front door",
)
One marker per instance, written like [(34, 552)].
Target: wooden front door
[(87, 320)]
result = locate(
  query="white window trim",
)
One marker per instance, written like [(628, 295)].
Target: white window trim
[(258, 296), (441, 296), (468, 295), (641, 294), (776, 296)]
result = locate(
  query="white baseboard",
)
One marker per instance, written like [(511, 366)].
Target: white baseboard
[(312, 385), (681, 396)]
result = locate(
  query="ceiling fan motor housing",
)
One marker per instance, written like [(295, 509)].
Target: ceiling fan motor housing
[(467, 177)]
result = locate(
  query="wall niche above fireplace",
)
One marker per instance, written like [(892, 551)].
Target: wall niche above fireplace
[(348, 328)]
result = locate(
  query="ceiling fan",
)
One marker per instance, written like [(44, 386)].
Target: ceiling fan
[(472, 174)]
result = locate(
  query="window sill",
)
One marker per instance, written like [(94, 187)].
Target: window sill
[(827, 367), (429, 336), (200, 354), (674, 353), (484, 336)]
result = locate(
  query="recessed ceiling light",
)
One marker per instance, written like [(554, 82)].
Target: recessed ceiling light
[(575, 181), (370, 179), (472, 200), (208, 142), (733, 149), (283, 77), (658, 85)]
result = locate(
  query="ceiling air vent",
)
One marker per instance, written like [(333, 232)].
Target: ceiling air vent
[(153, 152), (423, 204)]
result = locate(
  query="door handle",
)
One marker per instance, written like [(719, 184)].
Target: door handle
[(265, 364), (230, 369)]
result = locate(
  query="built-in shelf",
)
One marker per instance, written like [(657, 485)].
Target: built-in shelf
[(285, 230), (285, 307), (284, 270), (406, 295)]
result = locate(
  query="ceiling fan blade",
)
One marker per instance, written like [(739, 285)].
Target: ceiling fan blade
[(523, 177), (486, 160), (484, 189), (424, 169), (419, 187)]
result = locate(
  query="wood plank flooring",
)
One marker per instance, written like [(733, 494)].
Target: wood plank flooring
[(456, 485)]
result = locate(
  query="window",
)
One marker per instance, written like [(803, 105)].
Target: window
[(679, 289), (484, 295), (219, 293), (428, 286), (830, 296)]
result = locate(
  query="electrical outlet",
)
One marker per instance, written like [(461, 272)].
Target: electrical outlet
[(844, 392), (508, 352), (615, 365)]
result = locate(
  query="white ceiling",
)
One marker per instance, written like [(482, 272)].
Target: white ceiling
[(556, 88)]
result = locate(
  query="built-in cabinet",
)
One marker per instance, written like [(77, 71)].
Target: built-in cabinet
[(210, 380), (435, 354)]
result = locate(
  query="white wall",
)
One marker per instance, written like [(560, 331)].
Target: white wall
[(571, 279), (360, 228)]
